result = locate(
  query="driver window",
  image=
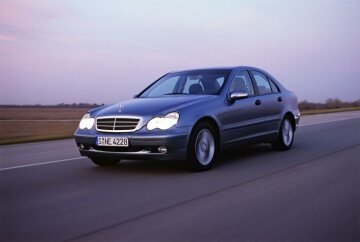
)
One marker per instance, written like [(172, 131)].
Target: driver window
[(191, 80), (242, 83)]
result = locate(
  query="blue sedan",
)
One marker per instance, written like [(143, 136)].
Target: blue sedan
[(191, 115)]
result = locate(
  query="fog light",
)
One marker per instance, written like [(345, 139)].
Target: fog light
[(82, 146), (162, 149)]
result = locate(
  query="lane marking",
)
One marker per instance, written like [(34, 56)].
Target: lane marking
[(41, 163)]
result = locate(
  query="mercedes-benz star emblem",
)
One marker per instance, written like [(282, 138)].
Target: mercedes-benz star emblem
[(121, 108)]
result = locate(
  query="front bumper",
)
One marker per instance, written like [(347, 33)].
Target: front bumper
[(297, 119), (141, 145)]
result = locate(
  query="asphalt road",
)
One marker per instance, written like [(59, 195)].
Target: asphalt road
[(310, 193)]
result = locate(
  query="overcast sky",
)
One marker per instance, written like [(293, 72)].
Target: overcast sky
[(107, 51)]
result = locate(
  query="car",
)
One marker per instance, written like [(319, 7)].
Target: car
[(191, 116)]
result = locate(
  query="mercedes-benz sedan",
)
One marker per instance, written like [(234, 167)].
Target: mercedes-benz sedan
[(191, 115)]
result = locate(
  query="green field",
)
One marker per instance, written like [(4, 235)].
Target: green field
[(18, 125)]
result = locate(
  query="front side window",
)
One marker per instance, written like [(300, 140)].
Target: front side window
[(242, 83), (192, 81), (262, 82), (188, 83)]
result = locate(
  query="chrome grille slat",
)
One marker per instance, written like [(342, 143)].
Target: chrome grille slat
[(118, 124), (106, 126), (126, 122)]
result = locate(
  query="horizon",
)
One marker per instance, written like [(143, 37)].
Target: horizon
[(102, 104), (55, 52)]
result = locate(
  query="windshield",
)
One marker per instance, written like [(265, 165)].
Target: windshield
[(188, 83)]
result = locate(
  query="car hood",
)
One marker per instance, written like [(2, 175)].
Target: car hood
[(152, 106)]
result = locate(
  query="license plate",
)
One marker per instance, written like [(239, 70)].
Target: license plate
[(113, 141)]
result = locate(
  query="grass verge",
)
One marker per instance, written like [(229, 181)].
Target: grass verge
[(17, 131), (19, 140)]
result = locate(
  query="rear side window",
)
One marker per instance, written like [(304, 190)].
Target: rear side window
[(262, 82), (274, 88)]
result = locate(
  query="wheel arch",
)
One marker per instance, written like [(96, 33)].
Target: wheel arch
[(213, 123), (291, 116)]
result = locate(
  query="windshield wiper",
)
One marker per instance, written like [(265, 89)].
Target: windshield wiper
[(176, 93)]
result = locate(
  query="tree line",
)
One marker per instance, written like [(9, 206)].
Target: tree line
[(60, 105), (330, 103)]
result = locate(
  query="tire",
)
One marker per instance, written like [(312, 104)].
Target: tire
[(285, 138), (203, 147), (105, 161)]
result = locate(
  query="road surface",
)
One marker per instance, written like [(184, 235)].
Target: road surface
[(310, 193)]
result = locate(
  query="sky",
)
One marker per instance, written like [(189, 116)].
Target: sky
[(68, 51)]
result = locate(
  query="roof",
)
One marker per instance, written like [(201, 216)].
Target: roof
[(226, 68)]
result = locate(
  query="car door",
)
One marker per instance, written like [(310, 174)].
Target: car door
[(268, 101), (239, 118)]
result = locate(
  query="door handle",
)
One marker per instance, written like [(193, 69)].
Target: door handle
[(280, 99), (258, 102)]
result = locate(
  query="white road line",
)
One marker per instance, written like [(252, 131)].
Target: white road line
[(41, 163)]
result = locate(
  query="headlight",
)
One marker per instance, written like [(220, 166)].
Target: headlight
[(86, 122), (163, 123)]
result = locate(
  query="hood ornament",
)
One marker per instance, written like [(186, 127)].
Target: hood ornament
[(120, 108)]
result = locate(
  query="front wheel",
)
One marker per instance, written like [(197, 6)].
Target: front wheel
[(105, 161), (285, 138), (203, 147)]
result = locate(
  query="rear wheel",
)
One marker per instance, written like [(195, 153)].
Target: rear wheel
[(285, 138), (203, 147), (105, 161)]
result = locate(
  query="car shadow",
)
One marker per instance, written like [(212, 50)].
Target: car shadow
[(227, 157), (240, 153)]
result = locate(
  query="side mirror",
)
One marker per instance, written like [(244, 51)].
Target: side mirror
[(238, 95)]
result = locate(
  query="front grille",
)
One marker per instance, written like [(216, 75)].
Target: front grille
[(117, 124)]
